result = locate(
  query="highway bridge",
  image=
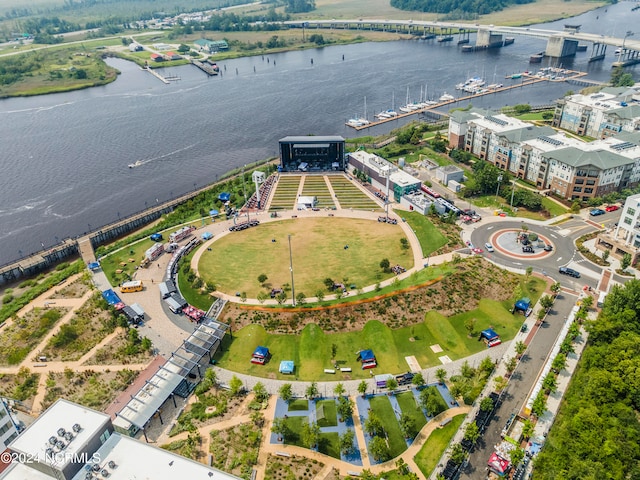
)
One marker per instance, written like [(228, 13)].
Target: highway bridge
[(560, 44)]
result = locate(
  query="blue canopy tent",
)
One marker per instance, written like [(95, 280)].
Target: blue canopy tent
[(286, 367), (366, 355), (224, 197), (523, 305), (261, 352), (489, 334), (111, 297), (214, 212)]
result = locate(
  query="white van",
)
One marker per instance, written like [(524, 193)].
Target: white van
[(601, 299)]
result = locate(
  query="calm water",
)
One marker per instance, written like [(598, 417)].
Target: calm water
[(64, 157)]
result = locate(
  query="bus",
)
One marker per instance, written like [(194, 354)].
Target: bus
[(133, 286)]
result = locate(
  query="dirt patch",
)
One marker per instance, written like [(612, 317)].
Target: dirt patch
[(284, 468), (120, 350), (461, 291), (75, 289), (92, 389)]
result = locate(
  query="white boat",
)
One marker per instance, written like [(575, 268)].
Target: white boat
[(137, 163), (363, 120), (447, 97), (354, 122), (388, 113)]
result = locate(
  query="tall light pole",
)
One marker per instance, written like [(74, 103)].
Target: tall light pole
[(386, 200), (513, 190), (498, 187), (293, 288)]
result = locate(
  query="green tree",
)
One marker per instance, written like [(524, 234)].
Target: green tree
[(373, 426), (575, 207), (310, 433), (472, 432), (550, 383), (301, 298), (243, 297), (486, 404), (470, 325), (262, 278), (486, 366), (527, 429), (605, 255), (528, 271), (418, 380), (235, 386), (260, 392), (334, 350), (281, 298), (379, 450), (345, 408), (286, 392), (384, 265), (392, 384), (346, 442), (407, 426), (499, 383), (546, 302), (262, 297), (555, 288), (363, 387), (441, 375), (338, 390), (312, 390), (539, 405), (511, 364), (329, 283), (280, 428), (457, 454), (521, 347), (517, 455), (559, 363), (625, 262), (320, 295)]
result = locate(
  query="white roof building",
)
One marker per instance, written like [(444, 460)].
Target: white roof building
[(72, 442)]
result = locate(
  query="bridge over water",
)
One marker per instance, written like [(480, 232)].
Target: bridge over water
[(560, 44)]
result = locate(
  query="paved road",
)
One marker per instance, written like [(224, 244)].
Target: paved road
[(520, 385)]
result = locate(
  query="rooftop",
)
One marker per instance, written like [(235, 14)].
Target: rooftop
[(61, 418), (382, 166)]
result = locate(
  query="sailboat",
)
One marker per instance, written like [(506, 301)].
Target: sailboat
[(359, 121), (408, 107), (363, 120), (388, 113)]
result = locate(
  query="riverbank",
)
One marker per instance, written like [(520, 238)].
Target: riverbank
[(55, 76)]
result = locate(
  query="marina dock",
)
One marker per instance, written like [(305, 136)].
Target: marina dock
[(156, 74), (208, 69), (560, 75)]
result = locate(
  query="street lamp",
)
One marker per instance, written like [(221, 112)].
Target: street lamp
[(293, 288), (498, 187), (628, 34), (513, 190)]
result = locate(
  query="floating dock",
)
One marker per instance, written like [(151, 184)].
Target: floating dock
[(527, 79), (156, 74), (208, 69)]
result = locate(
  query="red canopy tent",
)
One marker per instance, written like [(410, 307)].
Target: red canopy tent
[(498, 465)]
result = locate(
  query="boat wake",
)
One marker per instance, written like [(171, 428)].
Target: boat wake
[(139, 163)]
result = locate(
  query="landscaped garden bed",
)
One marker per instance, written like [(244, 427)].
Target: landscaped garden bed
[(18, 339), (292, 468), (235, 450)]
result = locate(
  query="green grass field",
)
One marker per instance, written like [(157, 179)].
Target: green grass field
[(298, 405), (408, 405), (330, 413), (429, 236), (318, 253), (295, 428), (381, 406), (329, 444), (311, 350), (428, 456)]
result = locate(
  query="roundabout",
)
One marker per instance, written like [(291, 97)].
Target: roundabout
[(509, 242)]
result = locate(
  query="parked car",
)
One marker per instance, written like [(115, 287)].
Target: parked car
[(489, 247), (612, 208), (527, 249), (597, 211), (477, 251), (569, 271)]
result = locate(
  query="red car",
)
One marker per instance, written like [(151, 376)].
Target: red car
[(612, 208)]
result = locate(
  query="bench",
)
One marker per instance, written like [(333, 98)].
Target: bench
[(445, 422), (329, 370), (346, 369), (283, 454)]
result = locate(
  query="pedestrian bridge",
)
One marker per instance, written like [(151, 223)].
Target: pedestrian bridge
[(560, 44)]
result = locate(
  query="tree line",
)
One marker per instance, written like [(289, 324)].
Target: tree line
[(465, 9), (597, 432)]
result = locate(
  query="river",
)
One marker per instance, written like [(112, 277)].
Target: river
[(65, 156)]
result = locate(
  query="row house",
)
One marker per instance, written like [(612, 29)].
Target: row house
[(598, 115), (548, 159)]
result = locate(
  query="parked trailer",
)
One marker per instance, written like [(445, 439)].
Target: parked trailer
[(181, 234), (154, 252)]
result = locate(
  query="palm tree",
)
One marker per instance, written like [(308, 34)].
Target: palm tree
[(339, 390), (441, 375), (362, 388)]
